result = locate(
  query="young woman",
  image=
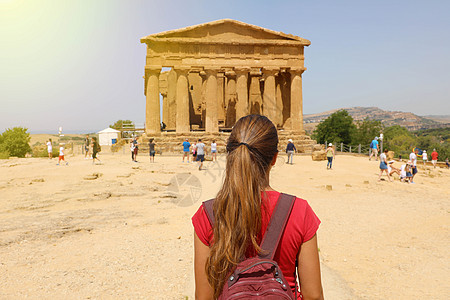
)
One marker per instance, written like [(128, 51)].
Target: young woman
[(214, 150), (330, 155), (242, 210), (50, 149), (384, 165)]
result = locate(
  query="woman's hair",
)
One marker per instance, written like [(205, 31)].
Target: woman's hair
[(237, 209), (386, 151)]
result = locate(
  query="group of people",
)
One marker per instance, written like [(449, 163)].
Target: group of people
[(407, 170), (61, 152), (91, 143), (88, 143), (198, 151)]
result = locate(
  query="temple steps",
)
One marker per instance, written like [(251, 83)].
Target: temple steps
[(171, 142)]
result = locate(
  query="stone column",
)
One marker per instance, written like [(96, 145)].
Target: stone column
[(279, 97), (203, 101), (255, 100), (230, 99), (211, 100), (269, 96), (296, 100), (220, 97), (182, 119), (152, 111), (165, 108), (171, 99), (241, 92)]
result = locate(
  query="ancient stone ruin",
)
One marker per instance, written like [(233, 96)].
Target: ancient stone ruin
[(212, 74)]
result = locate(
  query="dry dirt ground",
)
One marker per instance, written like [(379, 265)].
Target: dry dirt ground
[(122, 230)]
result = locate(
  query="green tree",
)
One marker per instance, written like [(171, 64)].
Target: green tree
[(122, 124), (399, 140), (15, 141), (366, 131), (337, 128)]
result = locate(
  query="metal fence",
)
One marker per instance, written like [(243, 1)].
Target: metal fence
[(344, 148)]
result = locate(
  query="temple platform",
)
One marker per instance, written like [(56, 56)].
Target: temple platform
[(171, 142)]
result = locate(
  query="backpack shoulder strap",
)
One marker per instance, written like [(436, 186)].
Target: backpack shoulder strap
[(276, 226), (208, 207)]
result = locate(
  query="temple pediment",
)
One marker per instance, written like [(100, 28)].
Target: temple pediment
[(225, 31)]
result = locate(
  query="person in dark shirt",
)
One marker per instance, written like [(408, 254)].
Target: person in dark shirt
[(151, 147), (290, 149), (95, 149)]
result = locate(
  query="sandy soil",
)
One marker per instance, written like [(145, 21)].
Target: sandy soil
[(122, 230)]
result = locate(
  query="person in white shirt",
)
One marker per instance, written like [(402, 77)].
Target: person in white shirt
[(425, 157), (384, 165), (50, 149), (413, 159), (392, 169), (132, 146), (61, 154), (214, 150)]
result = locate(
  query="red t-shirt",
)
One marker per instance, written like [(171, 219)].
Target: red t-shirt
[(301, 227), (434, 155)]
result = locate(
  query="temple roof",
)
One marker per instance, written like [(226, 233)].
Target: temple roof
[(226, 31)]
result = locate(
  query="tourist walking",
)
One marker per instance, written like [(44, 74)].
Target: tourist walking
[(290, 150), (434, 157), (200, 150), (194, 152), (136, 148), (61, 154), (86, 147), (214, 150), (413, 159), (330, 155), (95, 150), (186, 152), (425, 157), (50, 149), (446, 163), (374, 148), (132, 151), (242, 210), (384, 165), (151, 149)]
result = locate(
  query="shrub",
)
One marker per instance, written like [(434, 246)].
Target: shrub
[(15, 142)]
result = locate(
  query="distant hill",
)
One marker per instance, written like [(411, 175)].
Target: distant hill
[(387, 118), (440, 119)]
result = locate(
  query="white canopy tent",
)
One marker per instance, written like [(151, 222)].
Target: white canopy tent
[(106, 136)]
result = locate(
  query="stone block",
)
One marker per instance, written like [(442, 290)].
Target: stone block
[(319, 155)]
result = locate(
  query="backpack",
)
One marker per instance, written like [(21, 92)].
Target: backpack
[(99, 148), (260, 277), (371, 144)]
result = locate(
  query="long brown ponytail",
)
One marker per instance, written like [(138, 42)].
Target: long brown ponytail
[(237, 208)]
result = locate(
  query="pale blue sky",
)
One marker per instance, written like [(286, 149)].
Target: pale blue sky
[(79, 64)]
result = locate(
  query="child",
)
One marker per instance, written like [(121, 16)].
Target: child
[(61, 154), (408, 174)]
